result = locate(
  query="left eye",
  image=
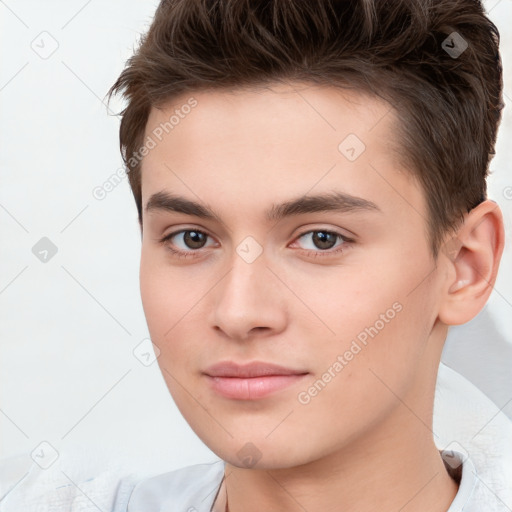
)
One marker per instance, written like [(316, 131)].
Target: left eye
[(321, 239)]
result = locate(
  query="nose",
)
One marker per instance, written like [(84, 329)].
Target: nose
[(249, 301)]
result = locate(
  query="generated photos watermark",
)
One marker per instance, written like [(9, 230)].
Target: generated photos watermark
[(358, 343)]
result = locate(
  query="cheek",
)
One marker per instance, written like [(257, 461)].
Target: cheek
[(377, 318), (168, 301), (157, 301), (346, 300), (166, 296), (376, 355), (172, 306)]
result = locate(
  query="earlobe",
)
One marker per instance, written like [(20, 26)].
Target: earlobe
[(472, 258)]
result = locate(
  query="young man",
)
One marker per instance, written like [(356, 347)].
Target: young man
[(310, 180)]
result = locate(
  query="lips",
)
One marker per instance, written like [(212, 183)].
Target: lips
[(250, 381), (254, 369)]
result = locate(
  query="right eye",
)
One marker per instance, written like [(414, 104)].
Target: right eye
[(187, 241)]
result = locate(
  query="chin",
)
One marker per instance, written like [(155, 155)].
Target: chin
[(259, 454)]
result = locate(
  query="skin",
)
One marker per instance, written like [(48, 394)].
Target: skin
[(365, 440)]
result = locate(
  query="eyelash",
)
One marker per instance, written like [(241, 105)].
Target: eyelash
[(320, 253)]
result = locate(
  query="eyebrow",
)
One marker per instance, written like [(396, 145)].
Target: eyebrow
[(329, 202)]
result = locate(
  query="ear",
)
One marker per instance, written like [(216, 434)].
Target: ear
[(472, 258)]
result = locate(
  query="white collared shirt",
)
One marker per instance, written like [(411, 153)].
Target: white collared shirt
[(194, 489)]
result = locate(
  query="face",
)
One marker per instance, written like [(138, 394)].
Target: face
[(306, 248)]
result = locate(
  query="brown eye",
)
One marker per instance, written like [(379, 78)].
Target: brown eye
[(194, 239), (186, 240), (324, 239), (321, 239)]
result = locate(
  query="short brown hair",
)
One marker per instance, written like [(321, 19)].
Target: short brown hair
[(449, 104)]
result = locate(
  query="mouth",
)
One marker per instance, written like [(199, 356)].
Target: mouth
[(251, 381)]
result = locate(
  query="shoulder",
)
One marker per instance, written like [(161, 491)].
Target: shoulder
[(52, 481), (474, 494), (188, 489), (475, 431)]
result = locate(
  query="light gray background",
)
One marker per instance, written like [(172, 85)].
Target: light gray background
[(69, 326)]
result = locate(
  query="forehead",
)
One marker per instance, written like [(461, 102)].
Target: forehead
[(275, 142), (263, 107)]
